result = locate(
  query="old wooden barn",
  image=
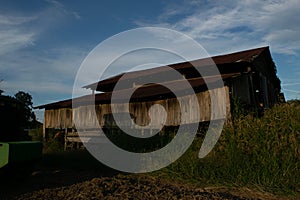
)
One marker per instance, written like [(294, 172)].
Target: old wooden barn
[(248, 76)]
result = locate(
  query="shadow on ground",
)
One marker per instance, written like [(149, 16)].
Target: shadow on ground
[(52, 171)]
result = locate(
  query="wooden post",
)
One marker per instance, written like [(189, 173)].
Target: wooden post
[(45, 137), (65, 138)]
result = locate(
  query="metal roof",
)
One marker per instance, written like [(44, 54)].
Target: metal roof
[(229, 63), (144, 93)]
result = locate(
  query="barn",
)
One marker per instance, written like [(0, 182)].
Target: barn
[(247, 76)]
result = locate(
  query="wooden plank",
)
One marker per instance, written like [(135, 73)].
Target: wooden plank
[(63, 118)]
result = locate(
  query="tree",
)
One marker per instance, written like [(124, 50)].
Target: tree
[(28, 116), (24, 98)]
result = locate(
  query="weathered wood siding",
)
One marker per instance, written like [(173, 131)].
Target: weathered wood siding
[(62, 118), (58, 118), (240, 89)]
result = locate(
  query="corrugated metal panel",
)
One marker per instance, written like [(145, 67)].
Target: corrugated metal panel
[(229, 63), (144, 93)]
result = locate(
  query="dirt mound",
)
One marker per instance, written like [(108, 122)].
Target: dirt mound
[(127, 187)]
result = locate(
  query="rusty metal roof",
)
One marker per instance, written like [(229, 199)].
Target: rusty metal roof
[(229, 63), (144, 93)]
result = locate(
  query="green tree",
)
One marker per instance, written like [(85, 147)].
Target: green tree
[(28, 116)]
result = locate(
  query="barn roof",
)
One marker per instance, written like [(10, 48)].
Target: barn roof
[(143, 93), (229, 65)]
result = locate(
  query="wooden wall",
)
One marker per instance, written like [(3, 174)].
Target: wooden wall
[(240, 89), (62, 118)]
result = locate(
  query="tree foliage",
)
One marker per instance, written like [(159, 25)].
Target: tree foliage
[(16, 115), (28, 118)]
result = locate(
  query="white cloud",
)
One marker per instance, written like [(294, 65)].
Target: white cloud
[(220, 26), (59, 6), (239, 23), (19, 30), (27, 65), (15, 20), (40, 74), (13, 36), (228, 26)]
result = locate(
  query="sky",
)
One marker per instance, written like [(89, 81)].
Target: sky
[(44, 42)]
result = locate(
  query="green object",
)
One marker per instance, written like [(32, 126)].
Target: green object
[(14, 152), (4, 154)]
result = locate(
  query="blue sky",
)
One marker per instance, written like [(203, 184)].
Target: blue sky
[(43, 43)]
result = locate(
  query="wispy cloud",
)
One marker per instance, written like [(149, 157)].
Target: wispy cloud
[(13, 34), (220, 26), (228, 26), (240, 23), (62, 8), (19, 30), (41, 75), (27, 65)]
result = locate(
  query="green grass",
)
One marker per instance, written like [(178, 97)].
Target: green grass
[(254, 152), (257, 152)]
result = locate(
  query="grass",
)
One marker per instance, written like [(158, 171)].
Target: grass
[(253, 152), (257, 152)]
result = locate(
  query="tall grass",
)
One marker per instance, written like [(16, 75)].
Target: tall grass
[(261, 151)]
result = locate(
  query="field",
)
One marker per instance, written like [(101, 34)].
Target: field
[(256, 157)]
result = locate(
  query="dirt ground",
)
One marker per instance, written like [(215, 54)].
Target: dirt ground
[(120, 187), (64, 177)]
